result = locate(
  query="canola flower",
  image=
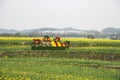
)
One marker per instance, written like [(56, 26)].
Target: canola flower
[(16, 38), (83, 44), (55, 69), (70, 39), (90, 40)]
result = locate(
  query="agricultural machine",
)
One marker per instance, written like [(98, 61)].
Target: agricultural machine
[(47, 44)]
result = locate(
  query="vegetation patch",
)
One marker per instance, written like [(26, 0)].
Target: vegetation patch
[(56, 69)]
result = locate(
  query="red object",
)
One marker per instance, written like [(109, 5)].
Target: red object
[(56, 44), (48, 39), (36, 41), (64, 43), (58, 38), (61, 44)]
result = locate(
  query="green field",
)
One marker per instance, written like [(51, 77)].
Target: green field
[(58, 69), (86, 59)]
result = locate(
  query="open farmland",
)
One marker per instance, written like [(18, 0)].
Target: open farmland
[(86, 59), (57, 69), (24, 43)]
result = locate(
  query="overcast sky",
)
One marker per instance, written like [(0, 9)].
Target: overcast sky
[(82, 14)]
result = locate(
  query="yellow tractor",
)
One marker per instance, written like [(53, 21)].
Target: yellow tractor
[(47, 44)]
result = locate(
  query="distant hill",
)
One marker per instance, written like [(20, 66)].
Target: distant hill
[(63, 32), (39, 29), (54, 30), (111, 30), (10, 31)]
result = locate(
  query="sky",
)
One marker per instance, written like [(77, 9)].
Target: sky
[(79, 14)]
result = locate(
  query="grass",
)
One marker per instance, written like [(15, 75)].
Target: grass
[(86, 59), (56, 69), (103, 49), (95, 49), (78, 44), (71, 49)]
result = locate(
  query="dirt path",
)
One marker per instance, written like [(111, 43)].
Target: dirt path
[(102, 66)]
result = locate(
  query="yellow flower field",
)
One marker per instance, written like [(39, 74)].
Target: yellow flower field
[(70, 39)]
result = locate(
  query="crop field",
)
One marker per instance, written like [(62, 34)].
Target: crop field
[(57, 69), (86, 59), (24, 43)]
